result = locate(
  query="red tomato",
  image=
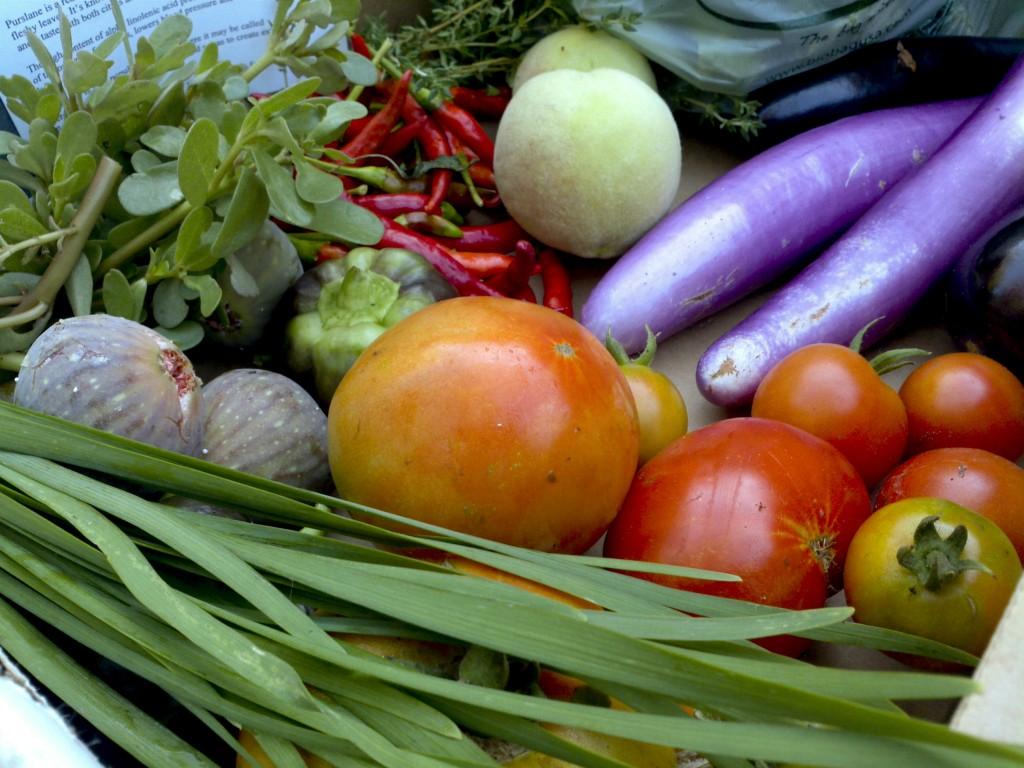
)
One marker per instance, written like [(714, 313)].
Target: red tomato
[(965, 400), (979, 480), (833, 392), (495, 417), (757, 498)]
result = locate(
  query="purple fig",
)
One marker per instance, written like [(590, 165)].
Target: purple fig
[(264, 423), (114, 374)]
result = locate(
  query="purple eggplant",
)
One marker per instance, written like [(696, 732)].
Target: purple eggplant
[(762, 219), (879, 269), (985, 295)]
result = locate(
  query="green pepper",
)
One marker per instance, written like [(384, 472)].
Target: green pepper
[(343, 305)]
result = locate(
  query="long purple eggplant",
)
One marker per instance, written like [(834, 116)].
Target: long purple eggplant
[(886, 261), (761, 219)]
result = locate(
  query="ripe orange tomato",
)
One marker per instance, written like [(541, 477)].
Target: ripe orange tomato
[(966, 400), (495, 417), (979, 480), (661, 411), (761, 499), (833, 392)]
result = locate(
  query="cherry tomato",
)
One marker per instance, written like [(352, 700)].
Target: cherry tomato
[(492, 416), (761, 499), (661, 411), (833, 392), (956, 603), (979, 480), (963, 399)]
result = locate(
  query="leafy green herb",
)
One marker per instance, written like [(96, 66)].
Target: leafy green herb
[(470, 41), (479, 42), (160, 173)]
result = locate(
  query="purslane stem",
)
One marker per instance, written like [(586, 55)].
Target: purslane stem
[(95, 199), (151, 234), (9, 250)]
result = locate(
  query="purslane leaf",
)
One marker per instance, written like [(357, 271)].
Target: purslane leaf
[(197, 163), (153, 191), (169, 306), (281, 188), (348, 222), (166, 140), (118, 296), (190, 235), (79, 287), (245, 215), (208, 289), (17, 225), (315, 186), (293, 94)]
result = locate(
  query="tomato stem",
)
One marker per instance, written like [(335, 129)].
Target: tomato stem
[(934, 560), (890, 360), (646, 357)]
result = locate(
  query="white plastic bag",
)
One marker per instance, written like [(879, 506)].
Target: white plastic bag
[(735, 46), (32, 733)]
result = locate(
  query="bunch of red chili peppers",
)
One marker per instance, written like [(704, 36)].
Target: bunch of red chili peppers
[(424, 165)]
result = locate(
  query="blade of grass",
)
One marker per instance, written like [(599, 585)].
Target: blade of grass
[(736, 739), (145, 583), (558, 640), (681, 627), (116, 717)]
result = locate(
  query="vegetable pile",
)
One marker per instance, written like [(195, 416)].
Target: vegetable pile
[(308, 463)]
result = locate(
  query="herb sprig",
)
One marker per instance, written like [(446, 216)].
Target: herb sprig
[(131, 192), (480, 42)]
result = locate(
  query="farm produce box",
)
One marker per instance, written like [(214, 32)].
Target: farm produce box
[(535, 383)]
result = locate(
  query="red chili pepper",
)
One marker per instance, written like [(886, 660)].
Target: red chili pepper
[(526, 294), (330, 252), (484, 264), (359, 46), (465, 126), (434, 145), (355, 127), (557, 284), (499, 236), (397, 236), (396, 142), (393, 205), (483, 102), (370, 138), (482, 175), (512, 280), (459, 196)]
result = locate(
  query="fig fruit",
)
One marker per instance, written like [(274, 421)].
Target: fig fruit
[(265, 424), (114, 374), (257, 276)]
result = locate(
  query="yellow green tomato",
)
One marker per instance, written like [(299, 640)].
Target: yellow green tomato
[(661, 410), (932, 568)]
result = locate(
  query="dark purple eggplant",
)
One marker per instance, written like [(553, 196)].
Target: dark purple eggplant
[(887, 261), (761, 219), (891, 73), (985, 295)]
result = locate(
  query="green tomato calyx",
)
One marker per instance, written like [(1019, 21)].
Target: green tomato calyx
[(618, 352), (934, 560)]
